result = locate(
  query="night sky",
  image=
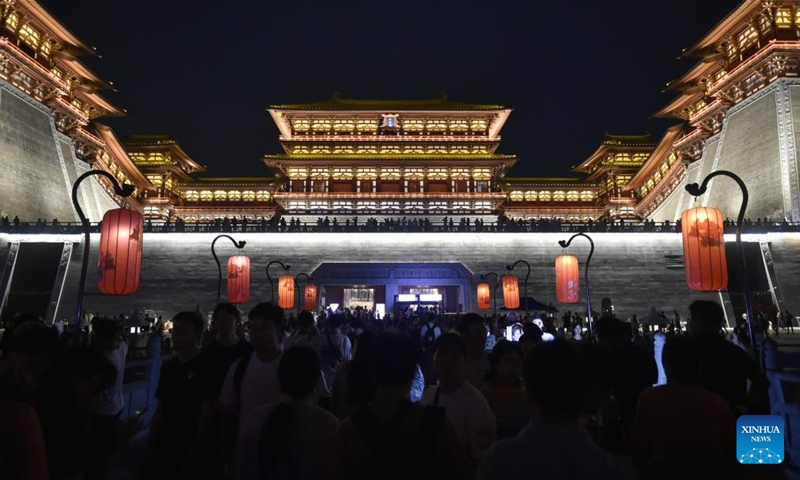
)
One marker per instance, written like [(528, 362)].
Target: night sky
[(572, 71)]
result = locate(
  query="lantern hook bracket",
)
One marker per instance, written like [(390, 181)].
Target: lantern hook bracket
[(297, 277), (494, 291), (527, 276), (566, 243), (124, 190), (697, 190), (272, 288), (239, 245)]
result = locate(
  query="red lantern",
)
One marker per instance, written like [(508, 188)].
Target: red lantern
[(511, 291), (286, 291), (704, 249), (239, 279), (119, 261), (567, 279), (310, 303), (484, 298)]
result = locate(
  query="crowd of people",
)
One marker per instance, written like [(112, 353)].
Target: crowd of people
[(396, 224), (421, 396)]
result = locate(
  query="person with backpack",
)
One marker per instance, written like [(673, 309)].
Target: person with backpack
[(252, 380), (334, 348), (392, 438), (429, 333)]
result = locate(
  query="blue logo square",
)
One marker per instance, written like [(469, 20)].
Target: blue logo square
[(759, 439)]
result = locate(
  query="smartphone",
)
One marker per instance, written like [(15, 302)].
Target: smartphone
[(140, 412)]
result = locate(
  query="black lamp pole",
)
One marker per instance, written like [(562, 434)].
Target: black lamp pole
[(494, 291), (271, 286), (297, 286), (239, 245), (585, 277), (696, 191), (511, 267), (124, 190)]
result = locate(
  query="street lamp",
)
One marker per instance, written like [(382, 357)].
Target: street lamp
[(585, 277), (511, 267), (297, 285), (494, 290), (123, 190), (239, 245), (272, 287), (697, 190)]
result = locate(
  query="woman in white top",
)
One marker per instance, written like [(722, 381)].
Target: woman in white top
[(293, 437)]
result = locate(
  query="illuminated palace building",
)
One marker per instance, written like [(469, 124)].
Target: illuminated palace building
[(391, 159)]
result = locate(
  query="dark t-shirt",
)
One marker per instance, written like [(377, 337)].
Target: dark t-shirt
[(221, 358), (725, 369), (182, 389)]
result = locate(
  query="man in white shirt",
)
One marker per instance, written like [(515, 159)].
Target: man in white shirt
[(252, 381), (464, 405), (555, 444)]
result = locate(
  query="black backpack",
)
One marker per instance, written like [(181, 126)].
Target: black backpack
[(429, 340)]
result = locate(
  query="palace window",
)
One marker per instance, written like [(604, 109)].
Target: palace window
[(477, 125), (436, 126), (366, 206), (220, 195), (480, 149), (623, 180), (414, 206), (530, 196), (296, 173), (483, 206), (436, 149), (156, 180), (545, 196), (440, 206), (456, 149), (12, 22), (461, 206), (206, 196), (169, 184), (390, 149), (344, 125), (730, 49), (414, 126), (437, 174), (317, 149), (559, 196), (390, 173), (248, 195), (390, 206), (234, 196), (414, 173), (155, 158), (367, 149), (262, 196), (640, 157), (482, 173), (321, 125), (414, 149), (367, 173), (516, 196), (763, 23), (459, 126), (747, 38), (30, 36), (587, 196), (344, 150), (573, 196), (460, 174), (298, 205), (45, 48), (320, 173), (300, 149), (342, 205), (621, 158), (342, 173), (57, 72), (301, 125), (364, 125), (318, 205)]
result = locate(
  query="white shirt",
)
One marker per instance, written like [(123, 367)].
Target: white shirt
[(259, 386), (471, 415), (313, 438), (113, 401)]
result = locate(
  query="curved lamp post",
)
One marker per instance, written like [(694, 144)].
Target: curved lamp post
[(124, 190), (565, 244), (239, 245), (696, 190), (494, 290), (527, 276), (271, 286), (297, 286)]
